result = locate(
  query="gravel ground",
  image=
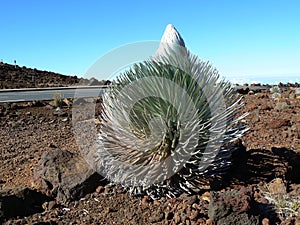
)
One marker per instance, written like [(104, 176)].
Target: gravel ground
[(272, 149)]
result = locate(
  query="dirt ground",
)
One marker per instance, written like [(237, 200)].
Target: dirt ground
[(272, 147)]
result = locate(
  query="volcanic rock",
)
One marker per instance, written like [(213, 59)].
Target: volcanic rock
[(64, 176), (232, 208), (60, 113)]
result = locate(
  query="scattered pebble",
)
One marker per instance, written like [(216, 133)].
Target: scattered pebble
[(265, 221), (99, 189)]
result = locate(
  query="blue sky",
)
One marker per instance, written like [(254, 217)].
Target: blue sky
[(240, 38)]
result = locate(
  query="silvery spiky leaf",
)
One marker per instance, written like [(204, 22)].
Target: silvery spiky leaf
[(137, 137), (168, 124)]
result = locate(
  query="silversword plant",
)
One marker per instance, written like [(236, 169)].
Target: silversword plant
[(168, 123)]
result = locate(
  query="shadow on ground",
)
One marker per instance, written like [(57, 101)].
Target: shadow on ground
[(20, 202), (261, 165)]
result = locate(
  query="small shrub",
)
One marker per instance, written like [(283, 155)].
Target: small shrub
[(58, 99), (285, 206), (276, 95)]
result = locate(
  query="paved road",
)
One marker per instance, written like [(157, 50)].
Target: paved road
[(30, 94)]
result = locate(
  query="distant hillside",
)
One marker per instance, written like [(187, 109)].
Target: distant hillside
[(22, 77)]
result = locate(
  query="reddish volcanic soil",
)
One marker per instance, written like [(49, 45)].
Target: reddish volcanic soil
[(272, 151)]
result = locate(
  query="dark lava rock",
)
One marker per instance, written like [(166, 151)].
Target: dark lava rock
[(15, 106), (20, 201), (60, 113), (38, 103), (255, 85), (243, 90), (232, 208), (65, 176)]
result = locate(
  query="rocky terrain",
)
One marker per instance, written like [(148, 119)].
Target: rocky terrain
[(44, 180), (12, 76)]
